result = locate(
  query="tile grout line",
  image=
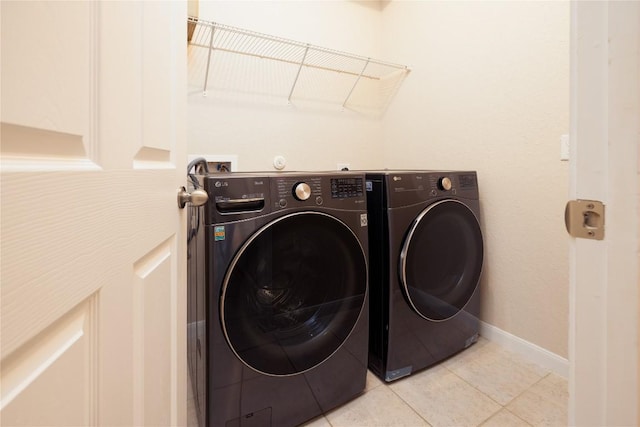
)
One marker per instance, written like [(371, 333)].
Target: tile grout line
[(409, 405), (495, 401), (517, 416), (523, 392), (477, 389), (546, 374), (505, 409), (553, 402)]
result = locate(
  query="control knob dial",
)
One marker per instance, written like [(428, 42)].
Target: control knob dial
[(301, 191), (444, 183)]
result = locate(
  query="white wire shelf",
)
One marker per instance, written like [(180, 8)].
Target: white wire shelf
[(219, 41)]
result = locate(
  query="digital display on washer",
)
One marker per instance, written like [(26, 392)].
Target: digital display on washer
[(342, 188)]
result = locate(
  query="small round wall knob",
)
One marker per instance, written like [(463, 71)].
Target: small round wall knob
[(444, 183), (279, 162), (301, 191)]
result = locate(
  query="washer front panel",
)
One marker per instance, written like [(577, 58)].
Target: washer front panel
[(441, 260), (293, 293)]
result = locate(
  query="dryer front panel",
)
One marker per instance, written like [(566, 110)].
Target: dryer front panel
[(293, 293), (441, 260)]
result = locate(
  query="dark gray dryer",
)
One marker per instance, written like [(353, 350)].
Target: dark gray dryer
[(426, 254), (278, 296)]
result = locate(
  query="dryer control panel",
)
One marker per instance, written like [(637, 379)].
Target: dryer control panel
[(404, 188), (452, 183)]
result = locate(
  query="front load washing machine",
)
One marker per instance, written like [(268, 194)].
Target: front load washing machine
[(426, 254), (278, 296)]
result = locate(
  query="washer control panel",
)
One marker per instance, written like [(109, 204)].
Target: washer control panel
[(290, 190), (347, 187), (318, 190)]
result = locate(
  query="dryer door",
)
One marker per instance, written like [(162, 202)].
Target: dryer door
[(293, 293), (441, 260)]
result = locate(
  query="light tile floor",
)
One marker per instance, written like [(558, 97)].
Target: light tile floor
[(485, 385)]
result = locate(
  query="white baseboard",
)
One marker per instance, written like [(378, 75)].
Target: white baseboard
[(536, 354)]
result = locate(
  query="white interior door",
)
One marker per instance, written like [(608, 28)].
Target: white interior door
[(605, 127), (93, 148)]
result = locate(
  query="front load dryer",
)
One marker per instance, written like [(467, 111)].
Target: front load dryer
[(426, 255), (279, 295)]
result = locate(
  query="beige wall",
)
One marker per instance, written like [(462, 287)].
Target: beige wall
[(489, 90)]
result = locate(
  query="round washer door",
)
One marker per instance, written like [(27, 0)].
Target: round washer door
[(293, 293), (441, 260)]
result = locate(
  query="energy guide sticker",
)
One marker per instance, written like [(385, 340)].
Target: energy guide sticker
[(218, 232)]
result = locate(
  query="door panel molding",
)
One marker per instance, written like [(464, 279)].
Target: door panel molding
[(70, 341)]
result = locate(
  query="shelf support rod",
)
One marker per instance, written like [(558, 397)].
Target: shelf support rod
[(356, 82), (206, 74), (295, 81)]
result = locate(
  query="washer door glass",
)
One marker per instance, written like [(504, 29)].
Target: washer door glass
[(441, 260), (293, 293)]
